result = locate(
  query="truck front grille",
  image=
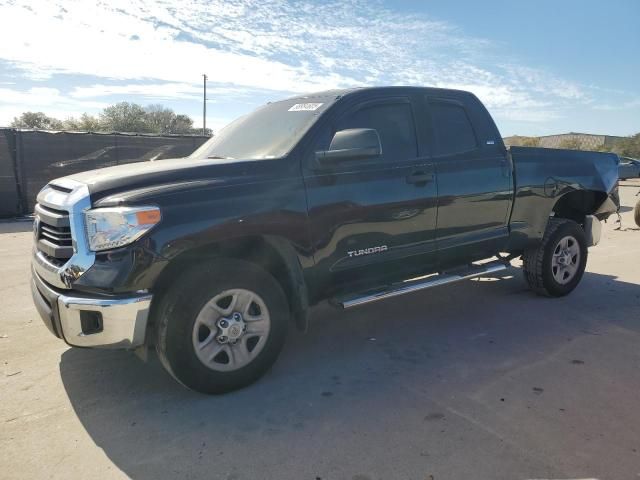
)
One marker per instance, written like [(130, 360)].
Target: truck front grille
[(61, 254), (53, 234)]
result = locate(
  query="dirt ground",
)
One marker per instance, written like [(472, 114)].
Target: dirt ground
[(478, 380)]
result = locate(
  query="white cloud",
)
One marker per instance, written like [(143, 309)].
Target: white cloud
[(158, 50), (150, 90), (41, 96), (13, 102), (98, 41), (162, 91), (633, 103)]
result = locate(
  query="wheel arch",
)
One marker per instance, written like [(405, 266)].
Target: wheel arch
[(577, 204), (275, 254)]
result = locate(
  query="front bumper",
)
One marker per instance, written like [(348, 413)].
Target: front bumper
[(92, 321)]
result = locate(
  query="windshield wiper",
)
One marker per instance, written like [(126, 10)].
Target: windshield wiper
[(219, 157)]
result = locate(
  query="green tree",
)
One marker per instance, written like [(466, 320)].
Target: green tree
[(86, 123), (522, 141), (36, 120), (628, 147), (182, 124), (159, 119), (164, 120), (121, 117), (124, 117), (531, 142)]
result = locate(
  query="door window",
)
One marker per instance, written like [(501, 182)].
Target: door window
[(395, 126), (452, 128)]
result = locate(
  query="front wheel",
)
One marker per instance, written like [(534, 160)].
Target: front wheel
[(221, 326), (555, 267)]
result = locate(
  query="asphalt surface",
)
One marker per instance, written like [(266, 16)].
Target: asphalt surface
[(478, 380)]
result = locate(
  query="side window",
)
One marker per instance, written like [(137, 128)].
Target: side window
[(394, 123), (452, 128)]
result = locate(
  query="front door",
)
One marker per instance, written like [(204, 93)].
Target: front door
[(372, 219)]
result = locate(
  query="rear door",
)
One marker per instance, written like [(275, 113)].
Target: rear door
[(474, 178), (372, 219)]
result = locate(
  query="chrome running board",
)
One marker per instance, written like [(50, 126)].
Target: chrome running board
[(409, 286)]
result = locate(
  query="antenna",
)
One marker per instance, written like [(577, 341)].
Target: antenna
[(204, 104)]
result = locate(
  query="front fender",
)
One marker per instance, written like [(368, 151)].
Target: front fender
[(271, 203)]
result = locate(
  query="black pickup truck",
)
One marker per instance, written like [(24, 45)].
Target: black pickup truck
[(350, 196)]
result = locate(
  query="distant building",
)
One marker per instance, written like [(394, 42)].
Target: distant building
[(585, 141), (519, 141)]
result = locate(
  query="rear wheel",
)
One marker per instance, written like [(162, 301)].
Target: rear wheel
[(636, 213), (221, 326), (555, 267)]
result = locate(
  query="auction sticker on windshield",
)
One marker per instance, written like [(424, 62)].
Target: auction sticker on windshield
[(305, 107)]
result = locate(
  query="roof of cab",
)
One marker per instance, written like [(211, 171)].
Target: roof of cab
[(339, 93)]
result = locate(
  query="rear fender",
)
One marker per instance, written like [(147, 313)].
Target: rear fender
[(563, 183)]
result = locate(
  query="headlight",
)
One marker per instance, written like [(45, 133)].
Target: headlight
[(115, 227)]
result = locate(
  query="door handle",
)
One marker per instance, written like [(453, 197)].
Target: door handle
[(420, 178)]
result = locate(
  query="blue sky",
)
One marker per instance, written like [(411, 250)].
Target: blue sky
[(540, 67)]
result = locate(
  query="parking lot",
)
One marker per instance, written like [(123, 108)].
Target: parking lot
[(478, 380)]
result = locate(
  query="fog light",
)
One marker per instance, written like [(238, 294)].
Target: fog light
[(90, 322)]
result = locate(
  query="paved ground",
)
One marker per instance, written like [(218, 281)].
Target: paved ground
[(479, 380)]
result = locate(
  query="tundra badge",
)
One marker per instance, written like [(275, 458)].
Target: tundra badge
[(368, 251)]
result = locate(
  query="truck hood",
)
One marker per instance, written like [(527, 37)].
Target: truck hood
[(123, 178)]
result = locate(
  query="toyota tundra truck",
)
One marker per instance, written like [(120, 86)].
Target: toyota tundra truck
[(347, 196)]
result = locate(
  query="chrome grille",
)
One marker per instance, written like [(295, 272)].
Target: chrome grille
[(61, 254), (53, 233)]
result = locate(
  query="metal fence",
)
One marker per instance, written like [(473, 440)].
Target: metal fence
[(31, 158)]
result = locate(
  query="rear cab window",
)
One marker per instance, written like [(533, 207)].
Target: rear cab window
[(453, 131)]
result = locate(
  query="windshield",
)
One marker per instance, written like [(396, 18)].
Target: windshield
[(269, 132)]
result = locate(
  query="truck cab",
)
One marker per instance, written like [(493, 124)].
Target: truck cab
[(439, 193)]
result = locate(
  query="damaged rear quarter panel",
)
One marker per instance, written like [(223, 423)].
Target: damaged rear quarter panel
[(543, 176)]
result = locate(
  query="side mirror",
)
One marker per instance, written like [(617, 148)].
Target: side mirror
[(352, 144)]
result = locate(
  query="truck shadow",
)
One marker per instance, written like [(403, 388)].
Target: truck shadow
[(448, 341)]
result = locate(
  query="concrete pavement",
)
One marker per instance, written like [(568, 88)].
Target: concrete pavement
[(478, 380)]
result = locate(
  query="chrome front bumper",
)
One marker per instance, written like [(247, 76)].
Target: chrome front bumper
[(91, 321)]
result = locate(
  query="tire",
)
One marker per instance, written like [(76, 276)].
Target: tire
[(552, 268), (636, 213), (190, 318)]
